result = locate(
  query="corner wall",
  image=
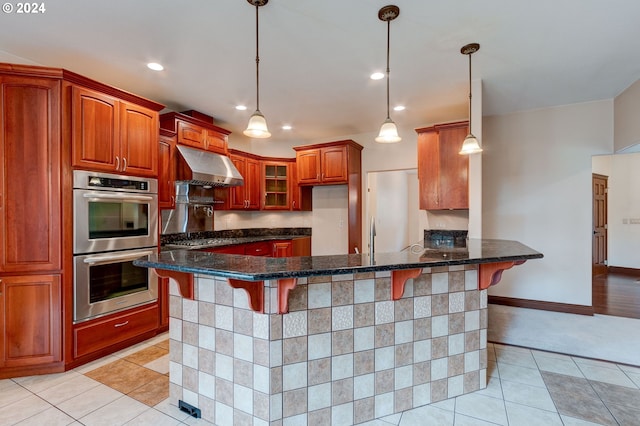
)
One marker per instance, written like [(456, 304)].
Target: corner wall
[(536, 185), (626, 110)]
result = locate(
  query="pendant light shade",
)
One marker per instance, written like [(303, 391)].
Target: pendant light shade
[(470, 144), (257, 127), (388, 131)]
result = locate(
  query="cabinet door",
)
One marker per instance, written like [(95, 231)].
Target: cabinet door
[(276, 186), (454, 169), (301, 196), (191, 135), (215, 141), (95, 139), (30, 173), (166, 173), (428, 170), (282, 249), (31, 320), (237, 198), (252, 184), (139, 134), (308, 165), (334, 165)]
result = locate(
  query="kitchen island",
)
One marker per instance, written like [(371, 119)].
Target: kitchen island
[(329, 339)]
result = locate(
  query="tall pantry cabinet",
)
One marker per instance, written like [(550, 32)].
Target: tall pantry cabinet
[(37, 138), (31, 243)]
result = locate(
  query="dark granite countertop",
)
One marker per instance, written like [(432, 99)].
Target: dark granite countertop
[(254, 268), (230, 237)]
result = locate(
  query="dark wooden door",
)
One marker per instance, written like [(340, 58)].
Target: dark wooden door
[(30, 195), (599, 239)]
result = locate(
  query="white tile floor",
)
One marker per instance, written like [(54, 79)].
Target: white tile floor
[(516, 395)]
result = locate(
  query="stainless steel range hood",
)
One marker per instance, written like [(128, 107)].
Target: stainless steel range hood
[(205, 168)]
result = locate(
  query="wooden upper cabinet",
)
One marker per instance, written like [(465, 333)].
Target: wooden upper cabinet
[(442, 172), (335, 163), (247, 196), (30, 175), (112, 135), (327, 164), (194, 131)]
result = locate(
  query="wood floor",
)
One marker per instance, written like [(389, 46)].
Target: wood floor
[(617, 294)]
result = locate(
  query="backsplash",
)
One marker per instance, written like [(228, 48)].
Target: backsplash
[(260, 219)]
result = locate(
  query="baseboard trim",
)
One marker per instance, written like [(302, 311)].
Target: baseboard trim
[(542, 305), (624, 271)]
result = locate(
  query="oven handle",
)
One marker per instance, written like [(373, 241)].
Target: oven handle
[(95, 260), (118, 197)]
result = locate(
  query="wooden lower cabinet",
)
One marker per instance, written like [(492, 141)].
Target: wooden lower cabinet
[(103, 333), (31, 321)]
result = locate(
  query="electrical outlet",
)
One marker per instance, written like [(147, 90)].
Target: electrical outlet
[(634, 221), (625, 221)]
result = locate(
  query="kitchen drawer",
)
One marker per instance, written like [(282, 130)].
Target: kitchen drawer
[(101, 333), (259, 249)]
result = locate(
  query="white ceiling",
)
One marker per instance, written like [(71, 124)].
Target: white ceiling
[(316, 56)]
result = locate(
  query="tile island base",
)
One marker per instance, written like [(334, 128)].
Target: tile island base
[(345, 353)]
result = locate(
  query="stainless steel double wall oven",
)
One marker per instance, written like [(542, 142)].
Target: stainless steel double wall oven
[(115, 220)]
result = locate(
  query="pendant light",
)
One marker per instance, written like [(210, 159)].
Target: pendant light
[(470, 144), (388, 131), (257, 127)]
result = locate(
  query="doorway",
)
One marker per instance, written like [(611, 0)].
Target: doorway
[(615, 236), (392, 201), (599, 237)]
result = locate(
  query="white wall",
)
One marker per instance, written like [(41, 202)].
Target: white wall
[(536, 185)]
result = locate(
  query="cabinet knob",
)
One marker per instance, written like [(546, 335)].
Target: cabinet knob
[(117, 163), (124, 164)]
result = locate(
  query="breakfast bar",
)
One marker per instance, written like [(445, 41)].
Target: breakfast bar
[(339, 339)]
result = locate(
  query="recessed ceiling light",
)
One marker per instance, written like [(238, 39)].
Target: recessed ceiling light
[(377, 76), (155, 66), (241, 107), (287, 127), (399, 108)]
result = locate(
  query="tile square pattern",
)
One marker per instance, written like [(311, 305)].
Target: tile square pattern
[(346, 352), (136, 374)]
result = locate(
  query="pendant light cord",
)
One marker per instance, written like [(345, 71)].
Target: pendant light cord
[(470, 93), (257, 61), (388, 70)]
